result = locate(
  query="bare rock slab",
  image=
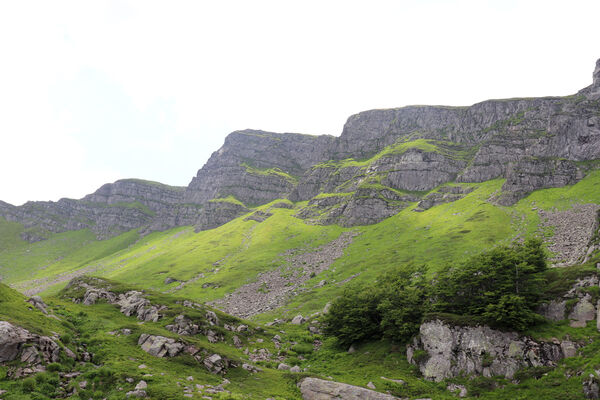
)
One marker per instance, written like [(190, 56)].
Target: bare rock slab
[(319, 389)]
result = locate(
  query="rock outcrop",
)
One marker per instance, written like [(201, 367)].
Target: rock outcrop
[(32, 349), (160, 346), (319, 389), (130, 303), (442, 350)]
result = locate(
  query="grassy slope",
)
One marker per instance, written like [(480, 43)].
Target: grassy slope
[(233, 254), (62, 252), (244, 248)]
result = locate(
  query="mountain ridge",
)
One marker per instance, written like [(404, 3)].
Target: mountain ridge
[(380, 155)]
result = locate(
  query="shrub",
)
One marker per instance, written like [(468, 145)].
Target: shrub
[(353, 317), (303, 348), (28, 385), (54, 367)]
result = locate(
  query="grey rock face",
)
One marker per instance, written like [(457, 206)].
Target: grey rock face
[(319, 389), (529, 174), (130, 303), (480, 350), (225, 175), (13, 340), (183, 326)]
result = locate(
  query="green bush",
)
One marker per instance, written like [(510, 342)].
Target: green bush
[(353, 317), (303, 348), (28, 385), (501, 288), (54, 367)]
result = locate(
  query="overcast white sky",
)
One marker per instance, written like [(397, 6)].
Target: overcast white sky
[(95, 91)]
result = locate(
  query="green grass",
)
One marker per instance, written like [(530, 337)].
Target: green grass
[(270, 171), (228, 199), (62, 252)]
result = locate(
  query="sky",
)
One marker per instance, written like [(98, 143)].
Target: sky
[(95, 91)]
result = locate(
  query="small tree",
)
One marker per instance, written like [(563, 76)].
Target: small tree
[(353, 317)]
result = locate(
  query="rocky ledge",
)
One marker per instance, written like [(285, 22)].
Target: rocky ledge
[(442, 350)]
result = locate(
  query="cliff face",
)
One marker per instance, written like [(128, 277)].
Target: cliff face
[(383, 161)]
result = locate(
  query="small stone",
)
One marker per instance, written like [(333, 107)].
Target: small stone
[(190, 378), (298, 320), (295, 368), (283, 367), (371, 385), (83, 384), (142, 366), (142, 385), (352, 349)]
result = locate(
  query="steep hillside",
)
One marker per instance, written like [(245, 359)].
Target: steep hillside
[(224, 289), (383, 160)]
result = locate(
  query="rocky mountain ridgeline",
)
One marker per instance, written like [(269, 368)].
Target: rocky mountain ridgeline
[(383, 161)]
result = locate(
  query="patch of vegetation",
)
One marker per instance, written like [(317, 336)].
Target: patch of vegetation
[(501, 288)]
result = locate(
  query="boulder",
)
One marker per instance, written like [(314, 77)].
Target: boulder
[(216, 364), (554, 310), (212, 318), (591, 388), (583, 312), (319, 389), (142, 385), (298, 320), (12, 338), (38, 303), (160, 346)]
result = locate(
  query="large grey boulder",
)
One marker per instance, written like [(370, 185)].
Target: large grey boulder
[(160, 346), (583, 312), (319, 389), (450, 351)]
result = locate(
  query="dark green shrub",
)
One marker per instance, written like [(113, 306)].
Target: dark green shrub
[(353, 317), (28, 385), (66, 338), (54, 367), (420, 356), (533, 372), (303, 348)]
